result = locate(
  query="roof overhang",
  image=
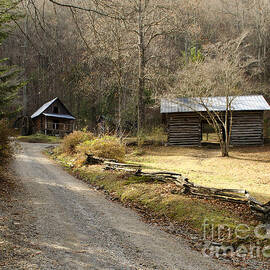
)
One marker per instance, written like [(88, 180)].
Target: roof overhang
[(47, 105), (218, 104), (65, 116)]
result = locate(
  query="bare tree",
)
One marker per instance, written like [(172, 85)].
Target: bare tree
[(116, 57), (150, 20), (146, 20), (221, 77)]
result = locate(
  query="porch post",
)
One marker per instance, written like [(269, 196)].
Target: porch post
[(73, 126), (45, 125)]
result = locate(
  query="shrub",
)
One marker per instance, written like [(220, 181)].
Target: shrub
[(159, 136), (105, 147), (5, 147), (156, 136), (141, 138), (72, 140)]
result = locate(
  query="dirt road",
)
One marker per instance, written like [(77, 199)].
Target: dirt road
[(77, 228)]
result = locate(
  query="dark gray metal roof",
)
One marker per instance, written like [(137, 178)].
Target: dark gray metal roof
[(239, 103), (65, 116), (43, 108)]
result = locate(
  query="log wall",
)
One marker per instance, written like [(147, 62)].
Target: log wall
[(37, 124), (184, 129), (247, 128)]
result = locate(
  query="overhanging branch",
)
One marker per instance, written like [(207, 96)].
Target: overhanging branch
[(86, 9)]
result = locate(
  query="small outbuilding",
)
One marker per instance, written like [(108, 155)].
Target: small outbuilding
[(185, 121), (53, 118)]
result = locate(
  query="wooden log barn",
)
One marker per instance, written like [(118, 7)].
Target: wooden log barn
[(53, 118), (185, 120)]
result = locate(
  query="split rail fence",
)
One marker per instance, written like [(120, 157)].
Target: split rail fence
[(239, 196)]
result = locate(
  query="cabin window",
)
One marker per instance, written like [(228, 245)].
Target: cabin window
[(55, 109)]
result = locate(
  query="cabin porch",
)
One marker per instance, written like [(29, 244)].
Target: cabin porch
[(54, 126)]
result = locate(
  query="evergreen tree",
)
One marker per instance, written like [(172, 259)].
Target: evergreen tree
[(9, 75)]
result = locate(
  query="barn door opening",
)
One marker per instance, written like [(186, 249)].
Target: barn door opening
[(208, 134)]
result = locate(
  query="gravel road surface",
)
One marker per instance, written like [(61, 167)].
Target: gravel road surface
[(76, 227)]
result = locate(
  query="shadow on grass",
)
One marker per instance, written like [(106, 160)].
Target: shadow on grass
[(251, 159)]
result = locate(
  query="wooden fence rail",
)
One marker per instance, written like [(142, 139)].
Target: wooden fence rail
[(186, 187)]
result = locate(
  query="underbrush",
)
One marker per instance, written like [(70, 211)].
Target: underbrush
[(80, 144), (155, 136), (108, 147), (6, 150), (5, 143), (71, 141)]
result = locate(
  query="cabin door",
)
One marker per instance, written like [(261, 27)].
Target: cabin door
[(56, 124)]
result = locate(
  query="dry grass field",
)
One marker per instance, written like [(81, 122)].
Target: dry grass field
[(246, 168)]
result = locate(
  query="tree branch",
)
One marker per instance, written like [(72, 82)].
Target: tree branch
[(30, 41), (79, 30), (86, 9)]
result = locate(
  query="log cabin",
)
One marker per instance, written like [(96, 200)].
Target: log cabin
[(53, 118), (185, 118)]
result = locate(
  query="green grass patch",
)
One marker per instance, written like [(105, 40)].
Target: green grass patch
[(39, 138)]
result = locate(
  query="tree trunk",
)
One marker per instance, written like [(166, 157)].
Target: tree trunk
[(141, 75), (25, 98), (222, 133), (119, 128), (226, 140), (120, 90), (224, 149)]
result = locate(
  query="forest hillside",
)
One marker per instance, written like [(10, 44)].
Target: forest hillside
[(117, 59)]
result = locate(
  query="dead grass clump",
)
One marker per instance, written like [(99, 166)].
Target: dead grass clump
[(72, 140), (79, 160), (105, 147), (5, 147)]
